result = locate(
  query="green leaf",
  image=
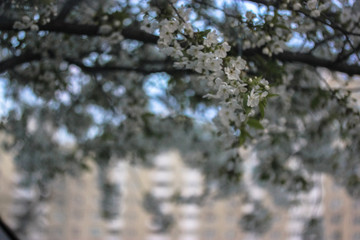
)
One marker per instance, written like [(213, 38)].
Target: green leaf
[(245, 102), (242, 139), (254, 123), (262, 105), (315, 102), (270, 95), (203, 34), (283, 26), (247, 109), (244, 134)]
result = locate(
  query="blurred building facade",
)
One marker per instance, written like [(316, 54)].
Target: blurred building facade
[(72, 208), (7, 186)]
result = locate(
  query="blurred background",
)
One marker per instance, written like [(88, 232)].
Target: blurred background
[(72, 207)]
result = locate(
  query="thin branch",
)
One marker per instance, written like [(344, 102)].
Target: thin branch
[(177, 13), (286, 56), (265, 2), (345, 55), (105, 68), (12, 62), (129, 32), (330, 24), (323, 41)]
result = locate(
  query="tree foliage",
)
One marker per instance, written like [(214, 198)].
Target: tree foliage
[(128, 79)]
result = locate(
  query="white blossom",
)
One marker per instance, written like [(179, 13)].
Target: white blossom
[(195, 50), (213, 64), (253, 99), (105, 29), (315, 13), (232, 73), (34, 27), (239, 64), (148, 25), (26, 19), (266, 51), (211, 39), (311, 4), (297, 6), (221, 51)]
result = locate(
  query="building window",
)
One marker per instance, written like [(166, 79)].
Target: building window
[(95, 232), (356, 205), (335, 204), (356, 236), (231, 218), (193, 184), (131, 232), (210, 204), (131, 216), (234, 203), (209, 234), (79, 200), (190, 215), (356, 220), (210, 217), (60, 201), (58, 232), (114, 232), (164, 184), (336, 219), (336, 235), (59, 216), (229, 235), (275, 235), (78, 214), (276, 218), (75, 232), (335, 187)]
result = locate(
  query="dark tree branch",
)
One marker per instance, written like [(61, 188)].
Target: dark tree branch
[(311, 60), (136, 34), (350, 69), (130, 32), (286, 56), (266, 2), (12, 62), (10, 235), (105, 68)]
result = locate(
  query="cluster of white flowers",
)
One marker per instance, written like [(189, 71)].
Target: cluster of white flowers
[(349, 15), (32, 21), (25, 23), (272, 41), (316, 7), (202, 52), (110, 30)]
